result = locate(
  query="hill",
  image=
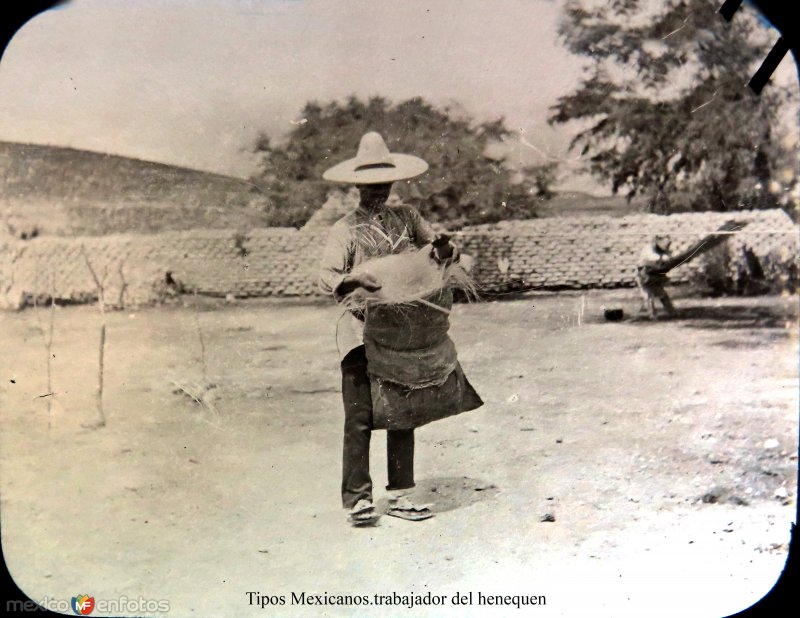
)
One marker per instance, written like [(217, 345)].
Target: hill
[(68, 191), (579, 204)]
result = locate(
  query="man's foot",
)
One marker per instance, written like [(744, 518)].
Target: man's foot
[(404, 508), (363, 514)]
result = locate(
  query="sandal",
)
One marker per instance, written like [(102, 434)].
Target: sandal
[(406, 509), (363, 514)]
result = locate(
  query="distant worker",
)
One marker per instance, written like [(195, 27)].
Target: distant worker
[(655, 261)]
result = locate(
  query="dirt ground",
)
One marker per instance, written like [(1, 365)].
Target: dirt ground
[(665, 454)]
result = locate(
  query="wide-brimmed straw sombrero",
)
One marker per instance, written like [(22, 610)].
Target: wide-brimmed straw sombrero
[(374, 164)]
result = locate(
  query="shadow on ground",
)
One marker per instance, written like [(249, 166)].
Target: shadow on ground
[(726, 316), (450, 493)]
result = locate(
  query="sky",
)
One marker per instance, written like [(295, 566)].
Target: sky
[(193, 82)]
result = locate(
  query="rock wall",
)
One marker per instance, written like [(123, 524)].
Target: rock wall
[(557, 253)]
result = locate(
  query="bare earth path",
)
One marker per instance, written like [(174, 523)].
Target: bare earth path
[(666, 454)]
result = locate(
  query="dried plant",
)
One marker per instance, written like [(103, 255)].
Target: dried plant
[(408, 278)]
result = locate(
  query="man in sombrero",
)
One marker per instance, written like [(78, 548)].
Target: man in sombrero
[(391, 384)]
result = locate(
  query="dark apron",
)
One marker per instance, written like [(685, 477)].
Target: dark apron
[(415, 376)]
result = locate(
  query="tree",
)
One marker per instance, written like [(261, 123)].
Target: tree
[(543, 177), (465, 182), (664, 109)]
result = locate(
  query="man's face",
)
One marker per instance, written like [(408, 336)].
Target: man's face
[(374, 196)]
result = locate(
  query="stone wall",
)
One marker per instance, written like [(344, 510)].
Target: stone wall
[(581, 252), (603, 251)]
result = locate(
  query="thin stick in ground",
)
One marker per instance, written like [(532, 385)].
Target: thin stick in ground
[(200, 337), (101, 353), (47, 340)]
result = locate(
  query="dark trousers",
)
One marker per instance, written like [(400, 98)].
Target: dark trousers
[(357, 397)]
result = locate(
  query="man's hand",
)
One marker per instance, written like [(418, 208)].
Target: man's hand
[(365, 280), (443, 249)]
